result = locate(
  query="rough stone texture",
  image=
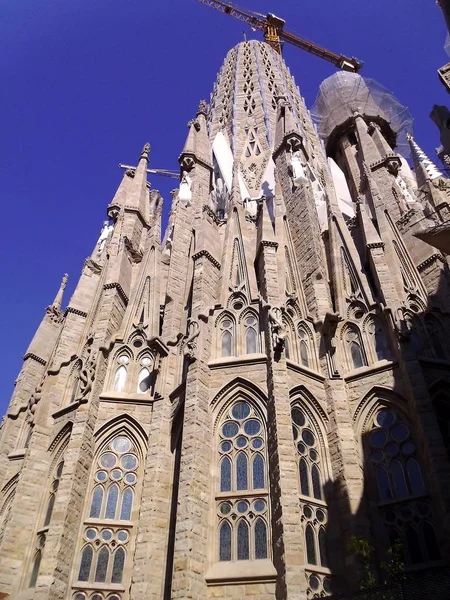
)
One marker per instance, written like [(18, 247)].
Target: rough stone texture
[(349, 317)]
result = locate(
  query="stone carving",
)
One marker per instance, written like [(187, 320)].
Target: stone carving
[(407, 197), (202, 108), (185, 193), (277, 329), (135, 255), (190, 345), (220, 197), (104, 235), (297, 168), (87, 374)]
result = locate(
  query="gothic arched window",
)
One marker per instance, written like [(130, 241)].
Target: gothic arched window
[(303, 347), (242, 498), (311, 474), (109, 529), (355, 351), (379, 341), (251, 334), (144, 376), (227, 341), (120, 375), (403, 500)]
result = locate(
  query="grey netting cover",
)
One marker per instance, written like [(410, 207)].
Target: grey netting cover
[(342, 94)]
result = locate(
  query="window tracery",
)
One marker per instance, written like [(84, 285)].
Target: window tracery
[(144, 376), (251, 334), (354, 348), (379, 341), (311, 467), (403, 499), (108, 530), (303, 347), (227, 337), (121, 373), (242, 499)]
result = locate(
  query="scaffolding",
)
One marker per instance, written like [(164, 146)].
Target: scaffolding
[(344, 94)]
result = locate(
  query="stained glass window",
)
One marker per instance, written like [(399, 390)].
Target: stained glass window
[(309, 454), (225, 541), (393, 456), (242, 472), (111, 502), (310, 545), (225, 475), (127, 505), (243, 541), (115, 472), (260, 539), (241, 448), (102, 565), (86, 561), (119, 561)]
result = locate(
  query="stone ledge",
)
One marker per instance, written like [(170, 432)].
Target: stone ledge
[(379, 367), (127, 398), (18, 454), (293, 366), (233, 361), (241, 571), (35, 357), (66, 409)]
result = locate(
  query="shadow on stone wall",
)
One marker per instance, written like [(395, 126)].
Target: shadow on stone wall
[(402, 510)]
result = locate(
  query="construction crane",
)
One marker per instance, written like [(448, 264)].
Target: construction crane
[(163, 172), (274, 34)]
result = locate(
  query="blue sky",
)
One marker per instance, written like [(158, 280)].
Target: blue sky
[(85, 83)]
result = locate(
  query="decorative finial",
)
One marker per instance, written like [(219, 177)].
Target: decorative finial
[(202, 108), (145, 151), (59, 296)]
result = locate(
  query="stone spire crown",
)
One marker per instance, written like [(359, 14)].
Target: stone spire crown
[(429, 170), (244, 108)]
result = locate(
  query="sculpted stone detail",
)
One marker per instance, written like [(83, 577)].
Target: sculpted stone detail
[(190, 345), (106, 231), (297, 168), (87, 374), (185, 193), (277, 328)]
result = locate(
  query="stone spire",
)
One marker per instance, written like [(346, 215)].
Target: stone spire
[(424, 167), (133, 190), (56, 304)]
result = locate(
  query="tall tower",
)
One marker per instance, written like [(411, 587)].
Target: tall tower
[(216, 414)]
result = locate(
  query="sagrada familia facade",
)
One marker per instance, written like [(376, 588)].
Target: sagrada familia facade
[(218, 414)]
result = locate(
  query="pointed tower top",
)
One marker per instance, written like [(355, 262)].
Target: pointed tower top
[(56, 304), (145, 152), (424, 167), (202, 108)]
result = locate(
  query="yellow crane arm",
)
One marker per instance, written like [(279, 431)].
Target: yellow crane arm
[(272, 26), (347, 64)]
